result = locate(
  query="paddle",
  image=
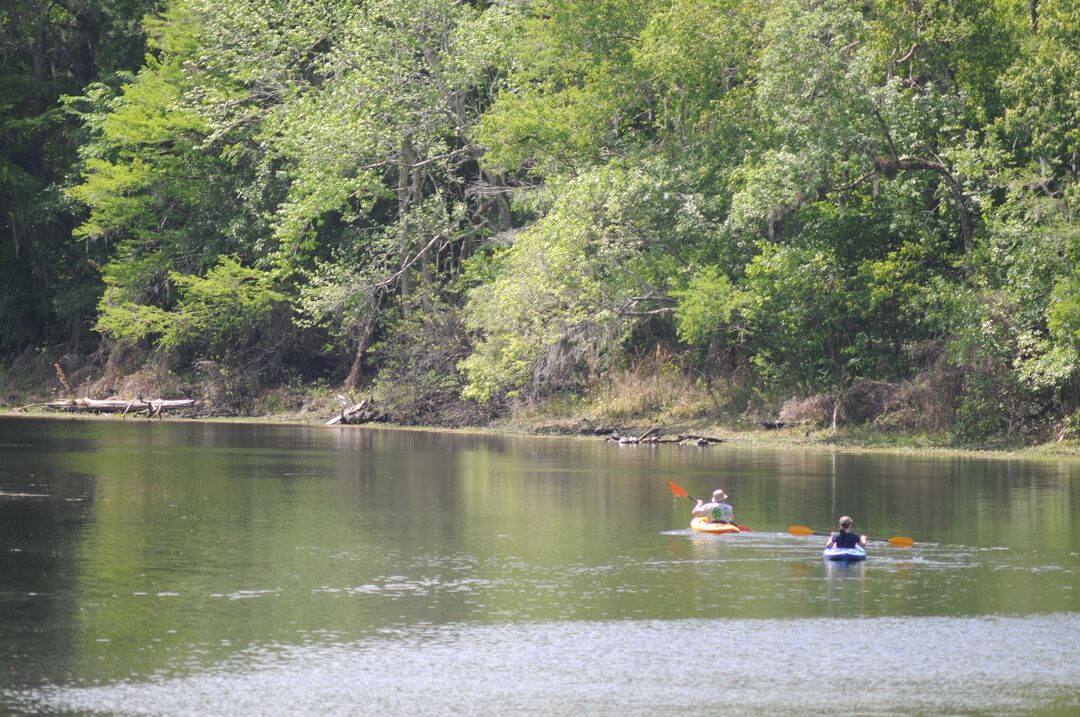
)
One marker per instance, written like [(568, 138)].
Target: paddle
[(899, 540), (677, 490)]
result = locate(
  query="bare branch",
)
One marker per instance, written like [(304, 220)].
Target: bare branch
[(391, 280), (909, 55)]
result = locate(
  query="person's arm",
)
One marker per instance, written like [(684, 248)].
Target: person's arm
[(702, 509), (862, 540), (831, 542)]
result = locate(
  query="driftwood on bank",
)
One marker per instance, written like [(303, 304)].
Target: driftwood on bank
[(154, 408), (352, 412), (655, 435)]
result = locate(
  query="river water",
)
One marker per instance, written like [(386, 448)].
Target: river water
[(174, 568)]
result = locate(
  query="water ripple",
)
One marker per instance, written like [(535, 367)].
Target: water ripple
[(809, 667)]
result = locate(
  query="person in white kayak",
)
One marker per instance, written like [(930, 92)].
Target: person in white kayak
[(715, 511), (844, 538)]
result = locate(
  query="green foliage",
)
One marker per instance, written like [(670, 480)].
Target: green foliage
[(219, 314), (546, 293), (866, 194), (129, 321), (159, 196), (574, 285), (706, 306), (222, 309), (577, 93), (801, 312), (385, 119), (790, 196), (48, 287), (1063, 312)]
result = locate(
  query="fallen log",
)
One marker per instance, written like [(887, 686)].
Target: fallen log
[(155, 407), (354, 413), (655, 435), (699, 440), (652, 435)]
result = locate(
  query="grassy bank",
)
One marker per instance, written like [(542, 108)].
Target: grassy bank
[(845, 439), (848, 440), (628, 404)]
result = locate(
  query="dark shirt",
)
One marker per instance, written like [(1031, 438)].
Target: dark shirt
[(844, 540)]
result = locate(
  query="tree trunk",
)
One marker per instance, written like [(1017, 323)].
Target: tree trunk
[(404, 187), (502, 205), (85, 60), (357, 369), (41, 63)]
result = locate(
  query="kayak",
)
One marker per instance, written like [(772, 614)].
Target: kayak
[(702, 525), (846, 554)]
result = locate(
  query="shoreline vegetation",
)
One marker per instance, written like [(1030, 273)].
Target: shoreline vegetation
[(540, 421), (857, 221)]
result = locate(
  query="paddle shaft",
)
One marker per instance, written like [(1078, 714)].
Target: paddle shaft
[(898, 541)]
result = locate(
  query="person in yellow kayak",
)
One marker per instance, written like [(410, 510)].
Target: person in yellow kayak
[(844, 538), (715, 511)]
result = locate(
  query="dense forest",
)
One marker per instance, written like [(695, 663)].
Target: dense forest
[(818, 210)]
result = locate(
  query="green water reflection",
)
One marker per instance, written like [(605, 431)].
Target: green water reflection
[(139, 549)]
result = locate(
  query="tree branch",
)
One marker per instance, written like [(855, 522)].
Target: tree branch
[(389, 281), (890, 167), (909, 55)]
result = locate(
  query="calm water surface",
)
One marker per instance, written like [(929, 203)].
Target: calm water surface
[(169, 568)]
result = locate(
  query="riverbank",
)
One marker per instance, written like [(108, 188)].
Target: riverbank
[(845, 439), (848, 439), (627, 404)]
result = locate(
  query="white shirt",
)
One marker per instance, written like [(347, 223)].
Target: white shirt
[(715, 512)]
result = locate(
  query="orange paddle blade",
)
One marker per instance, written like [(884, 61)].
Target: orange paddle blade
[(677, 490), (799, 530), (902, 542)]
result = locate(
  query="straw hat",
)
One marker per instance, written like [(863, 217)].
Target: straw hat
[(719, 495)]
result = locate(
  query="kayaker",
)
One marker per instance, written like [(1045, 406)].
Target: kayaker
[(843, 538), (716, 511)]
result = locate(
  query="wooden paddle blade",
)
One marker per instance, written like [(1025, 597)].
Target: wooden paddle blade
[(677, 490), (901, 541), (800, 530)]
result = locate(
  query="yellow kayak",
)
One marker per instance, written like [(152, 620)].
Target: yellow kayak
[(702, 525)]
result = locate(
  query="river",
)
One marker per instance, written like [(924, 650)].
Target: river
[(183, 568)]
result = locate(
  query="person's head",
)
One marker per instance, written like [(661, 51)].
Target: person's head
[(719, 495), (845, 522)]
